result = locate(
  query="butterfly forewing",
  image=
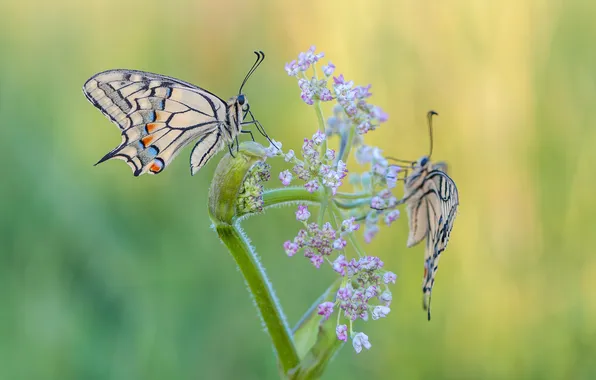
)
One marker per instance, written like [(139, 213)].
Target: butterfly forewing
[(157, 116)]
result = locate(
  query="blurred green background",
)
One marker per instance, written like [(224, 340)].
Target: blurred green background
[(108, 276)]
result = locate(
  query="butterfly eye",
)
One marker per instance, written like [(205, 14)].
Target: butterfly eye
[(423, 161), (241, 100)]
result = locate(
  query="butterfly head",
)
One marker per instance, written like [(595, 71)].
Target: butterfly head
[(422, 162), (241, 99), (242, 103), (238, 108)]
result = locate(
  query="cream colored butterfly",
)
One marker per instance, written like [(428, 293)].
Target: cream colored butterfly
[(431, 200), (159, 115)]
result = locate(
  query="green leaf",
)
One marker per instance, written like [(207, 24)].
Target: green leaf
[(315, 339)]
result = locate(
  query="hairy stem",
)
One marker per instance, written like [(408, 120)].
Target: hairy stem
[(289, 195), (228, 179), (261, 291)]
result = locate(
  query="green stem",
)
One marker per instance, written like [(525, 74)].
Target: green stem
[(322, 125), (351, 237), (289, 195), (323, 208), (230, 175), (322, 152), (351, 205), (262, 292), (358, 195), (346, 152)]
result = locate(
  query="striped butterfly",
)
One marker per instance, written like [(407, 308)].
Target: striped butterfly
[(431, 200), (159, 115)]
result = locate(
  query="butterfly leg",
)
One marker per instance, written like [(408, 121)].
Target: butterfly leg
[(231, 149), (260, 128), (396, 178), (250, 133), (237, 145)]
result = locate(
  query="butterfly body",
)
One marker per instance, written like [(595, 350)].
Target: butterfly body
[(159, 115), (431, 200)]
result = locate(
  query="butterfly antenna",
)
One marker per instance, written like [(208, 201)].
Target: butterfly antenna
[(430, 115), (409, 162), (260, 59)]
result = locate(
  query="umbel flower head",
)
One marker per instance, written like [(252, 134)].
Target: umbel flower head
[(352, 99), (250, 197), (329, 239)]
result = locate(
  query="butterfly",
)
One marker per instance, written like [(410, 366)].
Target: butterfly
[(160, 115), (431, 199)]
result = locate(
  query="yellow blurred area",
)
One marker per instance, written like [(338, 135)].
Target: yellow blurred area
[(108, 276)]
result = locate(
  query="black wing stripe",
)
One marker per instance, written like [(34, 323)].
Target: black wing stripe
[(207, 153)]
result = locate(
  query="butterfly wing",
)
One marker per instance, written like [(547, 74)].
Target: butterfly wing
[(205, 148), (416, 207), (442, 200), (441, 166), (157, 116)]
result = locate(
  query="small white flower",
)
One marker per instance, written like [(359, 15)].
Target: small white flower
[(360, 340), (285, 177), (318, 137), (330, 154), (386, 296), (389, 277), (274, 149), (380, 312), (289, 156), (341, 331)]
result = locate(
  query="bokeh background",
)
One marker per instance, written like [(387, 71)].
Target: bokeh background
[(108, 276)]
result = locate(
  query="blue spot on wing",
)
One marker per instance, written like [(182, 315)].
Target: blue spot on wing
[(152, 151)]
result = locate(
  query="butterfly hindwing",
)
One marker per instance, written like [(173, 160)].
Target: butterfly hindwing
[(157, 115), (205, 148), (417, 209)]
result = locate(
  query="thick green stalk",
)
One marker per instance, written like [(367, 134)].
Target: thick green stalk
[(261, 291), (228, 181)]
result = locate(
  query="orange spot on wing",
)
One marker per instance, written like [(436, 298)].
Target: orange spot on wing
[(155, 168), (157, 165), (147, 140), (151, 127)]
